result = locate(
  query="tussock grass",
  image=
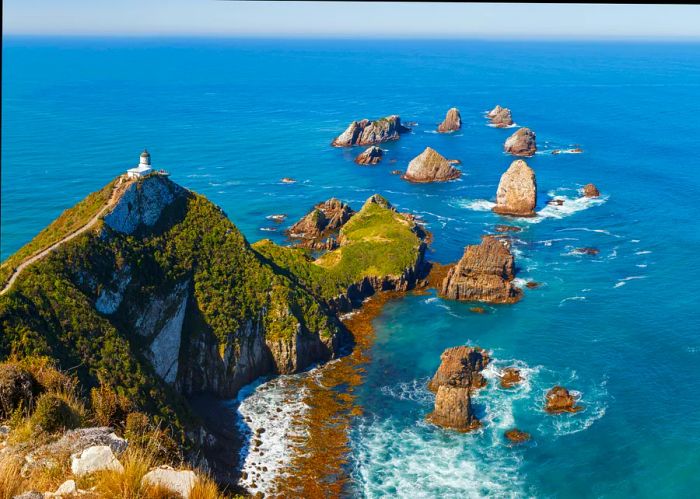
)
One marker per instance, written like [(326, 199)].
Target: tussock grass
[(11, 481)]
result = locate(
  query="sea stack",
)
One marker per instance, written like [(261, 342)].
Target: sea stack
[(510, 377), (500, 117), (323, 220), (453, 121), (560, 400), (521, 143), (484, 273), (370, 156), (517, 191), (590, 191), (459, 373), (366, 132), (430, 166)]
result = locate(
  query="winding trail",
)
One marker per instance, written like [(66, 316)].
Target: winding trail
[(116, 193)]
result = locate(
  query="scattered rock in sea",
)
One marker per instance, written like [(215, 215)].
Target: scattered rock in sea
[(516, 436), (454, 161), (507, 228), (500, 117), (510, 377), (453, 409), (453, 121), (517, 191), (430, 166), (556, 202), (288, 180), (314, 229), (590, 191), (532, 285), (477, 310), (370, 156), (366, 132), (396, 172), (559, 400), (521, 143), (485, 273), (279, 218), (460, 367), (587, 251)]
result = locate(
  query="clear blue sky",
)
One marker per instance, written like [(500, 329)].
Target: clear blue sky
[(225, 18)]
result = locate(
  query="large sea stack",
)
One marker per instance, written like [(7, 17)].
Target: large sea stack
[(366, 132), (453, 409), (430, 166), (323, 220), (521, 143), (484, 273), (453, 121), (500, 117), (370, 156), (517, 191)]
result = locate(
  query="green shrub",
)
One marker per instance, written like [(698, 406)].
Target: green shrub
[(54, 413), (18, 389), (109, 408)]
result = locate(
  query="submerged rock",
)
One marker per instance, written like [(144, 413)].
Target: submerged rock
[(430, 166), (366, 132), (288, 180), (516, 436), (560, 400), (370, 156), (521, 143), (500, 117), (587, 251), (323, 220), (453, 121), (510, 377), (517, 191), (484, 273), (460, 367), (507, 228), (590, 191), (453, 409), (477, 310)]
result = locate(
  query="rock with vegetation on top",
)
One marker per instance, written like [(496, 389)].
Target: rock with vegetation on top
[(452, 122), (559, 400), (521, 143), (366, 132), (484, 273), (517, 191), (461, 367), (93, 459), (500, 117), (179, 481), (323, 220), (430, 166), (453, 409), (590, 191), (370, 156)]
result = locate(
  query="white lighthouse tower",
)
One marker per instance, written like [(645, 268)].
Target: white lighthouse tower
[(144, 167)]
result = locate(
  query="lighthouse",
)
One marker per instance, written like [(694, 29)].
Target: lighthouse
[(143, 168)]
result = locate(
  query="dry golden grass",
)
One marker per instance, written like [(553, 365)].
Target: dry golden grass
[(11, 481), (129, 483), (205, 488)]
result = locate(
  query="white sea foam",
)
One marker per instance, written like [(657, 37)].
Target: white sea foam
[(514, 125), (622, 282), (572, 298), (595, 404), (571, 205), (473, 204), (645, 252), (415, 391), (586, 229)]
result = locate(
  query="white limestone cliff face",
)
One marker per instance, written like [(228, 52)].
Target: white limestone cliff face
[(165, 348), (111, 296)]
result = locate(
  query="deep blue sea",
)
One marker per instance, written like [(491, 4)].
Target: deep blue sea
[(229, 118)]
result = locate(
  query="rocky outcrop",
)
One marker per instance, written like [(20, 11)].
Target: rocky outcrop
[(430, 166), (521, 143), (516, 436), (452, 122), (484, 273), (180, 482), (517, 191), (460, 367), (510, 377), (559, 400), (325, 219), (366, 132), (453, 409), (500, 117), (370, 156), (590, 191)]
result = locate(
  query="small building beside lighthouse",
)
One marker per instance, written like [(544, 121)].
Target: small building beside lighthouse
[(143, 168)]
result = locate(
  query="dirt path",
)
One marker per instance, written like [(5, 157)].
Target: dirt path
[(116, 192)]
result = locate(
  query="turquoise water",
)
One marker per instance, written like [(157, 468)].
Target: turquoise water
[(230, 118)]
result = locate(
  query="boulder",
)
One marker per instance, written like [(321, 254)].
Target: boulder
[(517, 191), (590, 191), (179, 481), (500, 117), (67, 488), (453, 121), (460, 367), (521, 143), (370, 156), (484, 273), (326, 218), (93, 459), (516, 436), (453, 409), (430, 166), (560, 400), (366, 132), (510, 377)]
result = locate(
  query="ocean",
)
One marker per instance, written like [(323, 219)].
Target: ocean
[(230, 118)]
